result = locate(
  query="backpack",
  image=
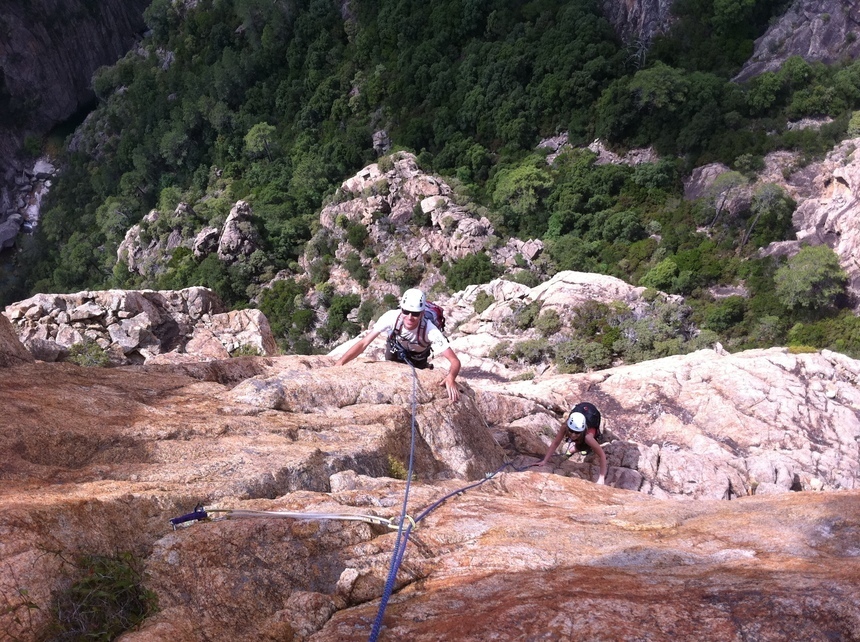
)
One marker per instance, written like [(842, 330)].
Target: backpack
[(436, 314), (592, 416)]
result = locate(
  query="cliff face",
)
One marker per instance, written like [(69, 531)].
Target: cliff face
[(48, 53), (637, 20), (815, 30), (97, 460)]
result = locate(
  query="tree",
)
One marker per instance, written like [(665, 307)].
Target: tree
[(854, 124), (661, 276), (519, 192), (721, 190), (811, 279), (660, 87), (471, 269), (258, 140), (772, 202)]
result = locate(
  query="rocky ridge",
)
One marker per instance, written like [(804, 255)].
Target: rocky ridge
[(139, 326), (412, 218)]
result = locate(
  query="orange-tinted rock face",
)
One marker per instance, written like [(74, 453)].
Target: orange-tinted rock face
[(97, 461)]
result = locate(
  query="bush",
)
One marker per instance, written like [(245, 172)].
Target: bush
[(578, 355), (397, 470), (369, 310), (661, 277), (500, 351), (246, 351), (340, 307), (401, 271), (725, 314), (107, 600), (768, 331), (524, 317), (88, 353), (548, 323), (356, 269), (357, 235), (471, 270), (524, 277), (483, 301), (279, 303), (532, 351), (811, 279)]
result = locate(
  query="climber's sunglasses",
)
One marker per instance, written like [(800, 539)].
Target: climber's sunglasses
[(411, 313)]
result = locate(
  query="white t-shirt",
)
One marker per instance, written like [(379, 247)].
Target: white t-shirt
[(410, 339)]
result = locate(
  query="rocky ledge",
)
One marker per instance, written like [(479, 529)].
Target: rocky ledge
[(139, 326)]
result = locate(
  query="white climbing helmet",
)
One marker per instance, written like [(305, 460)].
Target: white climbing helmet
[(576, 422), (412, 300)]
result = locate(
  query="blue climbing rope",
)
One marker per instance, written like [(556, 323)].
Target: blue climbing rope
[(403, 534)]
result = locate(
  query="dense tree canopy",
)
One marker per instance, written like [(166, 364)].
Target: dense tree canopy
[(277, 102)]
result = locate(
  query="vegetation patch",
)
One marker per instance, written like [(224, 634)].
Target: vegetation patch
[(106, 600), (88, 353)]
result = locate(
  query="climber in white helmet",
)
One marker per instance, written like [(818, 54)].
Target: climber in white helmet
[(412, 336)]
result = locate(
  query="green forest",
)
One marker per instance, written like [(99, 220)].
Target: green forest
[(276, 102)]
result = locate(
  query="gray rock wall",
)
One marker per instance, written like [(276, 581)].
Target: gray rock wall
[(48, 54), (816, 30), (637, 20)]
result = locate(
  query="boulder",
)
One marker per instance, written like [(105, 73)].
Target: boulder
[(12, 351), (206, 242), (9, 229), (238, 238)]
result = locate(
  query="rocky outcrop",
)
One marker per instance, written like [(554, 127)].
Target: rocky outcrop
[(21, 201), (136, 326), (827, 193), (559, 144), (704, 425), (413, 221), (828, 210), (12, 351), (238, 239), (816, 30), (97, 460), (637, 21), (475, 336), (148, 246)]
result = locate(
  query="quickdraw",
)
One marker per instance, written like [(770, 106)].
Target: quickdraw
[(201, 514)]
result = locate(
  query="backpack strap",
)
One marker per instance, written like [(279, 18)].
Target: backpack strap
[(421, 334), (422, 331), (398, 323)]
